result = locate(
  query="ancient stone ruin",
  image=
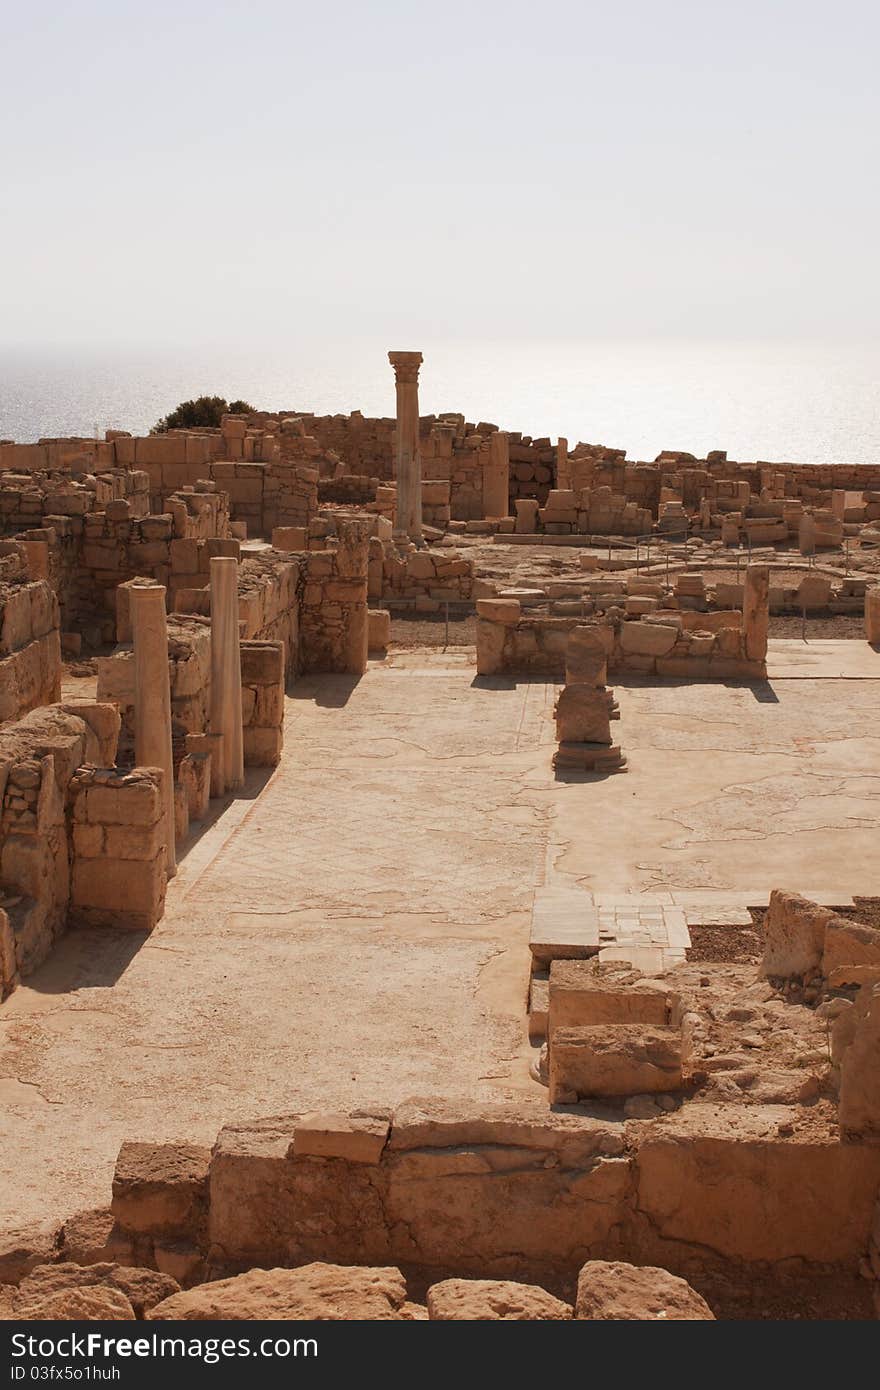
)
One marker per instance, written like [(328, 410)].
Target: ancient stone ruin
[(586, 706), (330, 987)]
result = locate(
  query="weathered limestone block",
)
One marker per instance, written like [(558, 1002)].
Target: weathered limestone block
[(493, 1300), (490, 646), (321, 1292), (358, 1137), (94, 1303), (161, 1188), (142, 1288), (814, 592), (379, 623), (849, 949), (526, 515), (613, 1060), (290, 538), (93, 1237), (581, 996), (586, 657), (613, 1291), (647, 639), (583, 714), (8, 962), (759, 1192), (730, 528), (102, 724), (500, 610), (262, 685), (457, 1186), (119, 852), (859, 1106), (794, 935)]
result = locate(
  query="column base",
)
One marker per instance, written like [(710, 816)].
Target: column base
[(590, 757)]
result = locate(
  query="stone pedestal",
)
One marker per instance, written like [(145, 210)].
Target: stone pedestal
[(226, 716), (152, 699), (409, 464), (526, 516), (585, 707)]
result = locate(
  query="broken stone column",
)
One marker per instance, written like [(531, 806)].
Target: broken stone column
[(756, 612), (496, 477), (872, 615), (585, 707), (838, 502), (807, 534), (409, 464), (563, 470), (226, 715), (152, 698), (586, 657)]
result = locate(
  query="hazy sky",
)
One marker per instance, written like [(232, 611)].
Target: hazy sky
[(190, 172)]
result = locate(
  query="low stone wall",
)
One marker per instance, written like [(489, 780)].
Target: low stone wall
[(665, 644), (424, 578), (70, 455), (534, 467), (189, 667), (30, 646), (452, 450), (119, 851), (262, 701), (348, 489), (269, 620), (333, 617), (267, 485), (590, 511), (27, 499), (498, 1191), (39, 757)]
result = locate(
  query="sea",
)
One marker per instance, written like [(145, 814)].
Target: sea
[(799, 402)]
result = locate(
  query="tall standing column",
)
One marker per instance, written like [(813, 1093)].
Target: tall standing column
[(152, 698), (226, 669), (409, 464)]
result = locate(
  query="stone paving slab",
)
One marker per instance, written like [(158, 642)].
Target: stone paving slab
[(565, 925), (703, 908), (821, 659)]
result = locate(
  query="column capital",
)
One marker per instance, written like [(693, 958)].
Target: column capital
[(406, 365)]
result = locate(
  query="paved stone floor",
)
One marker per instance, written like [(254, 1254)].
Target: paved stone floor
[(356, 928)]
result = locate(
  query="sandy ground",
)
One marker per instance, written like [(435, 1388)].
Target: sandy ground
[(355, 928)]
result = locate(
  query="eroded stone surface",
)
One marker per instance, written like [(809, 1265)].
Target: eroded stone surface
[(493, 1300), (323, 1292), (622, 1292)]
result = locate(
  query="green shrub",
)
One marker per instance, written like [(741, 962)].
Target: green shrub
[(204, 412)]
